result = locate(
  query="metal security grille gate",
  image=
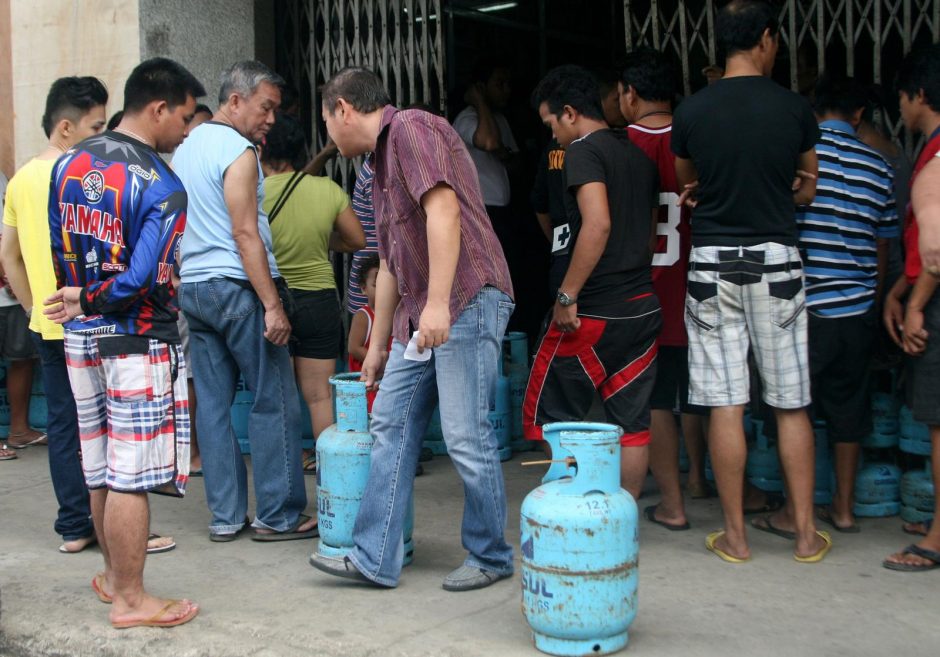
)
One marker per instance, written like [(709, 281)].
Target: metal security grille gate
[(863, 38), (404, 40), (401, 40)]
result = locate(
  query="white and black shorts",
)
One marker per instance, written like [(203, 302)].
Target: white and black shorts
[(741, 298)]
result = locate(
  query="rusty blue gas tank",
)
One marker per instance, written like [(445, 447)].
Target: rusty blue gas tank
[(344, 451), (579, 545)]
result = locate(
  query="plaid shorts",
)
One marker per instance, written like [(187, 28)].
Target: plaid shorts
[(133, 412), (740, 298)]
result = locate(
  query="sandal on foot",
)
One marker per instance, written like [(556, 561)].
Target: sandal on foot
[(650, 513), (764, 524), (290, 534), (310, 464), (35, 442), (99, 589), (156, 619), (7, 453), (91, 540), (927, 524), (816, 557), (710, 541), (917, 551), (825, 514), (157, 549)]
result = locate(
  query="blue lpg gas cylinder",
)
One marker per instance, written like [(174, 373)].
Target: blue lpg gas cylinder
[(763, 464), (579, 545), (516, 359), (885, 422), (343, 457), (499, 415), (917, 495), (878, 490), (915, 436)]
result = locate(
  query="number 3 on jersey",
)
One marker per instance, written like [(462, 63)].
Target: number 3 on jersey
[(668, 229)]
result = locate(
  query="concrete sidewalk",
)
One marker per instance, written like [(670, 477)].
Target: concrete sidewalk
[(264, 600)]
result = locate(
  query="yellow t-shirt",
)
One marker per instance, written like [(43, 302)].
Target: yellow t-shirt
[(301, 230), (27, 210)]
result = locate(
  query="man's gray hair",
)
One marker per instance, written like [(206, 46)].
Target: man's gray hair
[(358, 86), (244, 78)]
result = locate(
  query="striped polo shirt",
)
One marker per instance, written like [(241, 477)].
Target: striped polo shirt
[(853, 208)]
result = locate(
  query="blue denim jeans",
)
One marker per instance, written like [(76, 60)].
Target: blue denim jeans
[(461, 375), (226, 324), (68, 480)]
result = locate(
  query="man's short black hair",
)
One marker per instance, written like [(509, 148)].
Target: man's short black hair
[(358, 86), (115, 120), (650, 73), (741, 23), (921, 70), (840, 96), (369, 263), (72, 98), (569, 85), (285, 142), (200, 109), (160, 79)]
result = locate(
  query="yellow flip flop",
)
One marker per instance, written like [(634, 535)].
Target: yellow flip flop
[(724, 556), (823, 551)]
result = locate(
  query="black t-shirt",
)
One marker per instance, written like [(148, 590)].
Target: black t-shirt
[(548, 197), (744, 135), (609, 157)]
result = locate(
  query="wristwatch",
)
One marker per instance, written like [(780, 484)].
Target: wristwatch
[(565, 300)]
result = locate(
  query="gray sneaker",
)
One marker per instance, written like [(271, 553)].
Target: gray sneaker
[(468, 578), (339, 567)]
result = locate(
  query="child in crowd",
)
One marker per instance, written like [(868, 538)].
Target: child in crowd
[(360, 331)]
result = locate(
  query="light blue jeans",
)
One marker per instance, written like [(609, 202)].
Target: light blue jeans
[(462, 376), (226, 324)]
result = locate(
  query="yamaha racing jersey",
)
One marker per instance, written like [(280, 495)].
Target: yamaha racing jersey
[(116, 215)]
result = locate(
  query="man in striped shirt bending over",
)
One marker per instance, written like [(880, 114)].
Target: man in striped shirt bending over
[(844, 244)]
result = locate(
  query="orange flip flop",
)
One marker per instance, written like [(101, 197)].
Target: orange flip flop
[(99, 590), (154, 621), (710, 544)]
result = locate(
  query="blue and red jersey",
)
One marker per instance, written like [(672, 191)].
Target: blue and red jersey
[(116, 216)]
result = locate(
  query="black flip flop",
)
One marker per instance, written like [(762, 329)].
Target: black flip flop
[(825, 514), (768, 527), (650, 513), (923, 553), (289, 535)]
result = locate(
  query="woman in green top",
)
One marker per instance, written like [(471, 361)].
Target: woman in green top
[(310, 216)]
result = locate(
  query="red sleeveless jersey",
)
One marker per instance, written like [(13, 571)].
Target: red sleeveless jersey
[(912, 264), (674, 234)]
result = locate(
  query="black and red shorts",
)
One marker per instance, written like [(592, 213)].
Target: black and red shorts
[(613, 353)]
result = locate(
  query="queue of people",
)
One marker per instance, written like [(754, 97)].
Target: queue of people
[(745, 231)]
